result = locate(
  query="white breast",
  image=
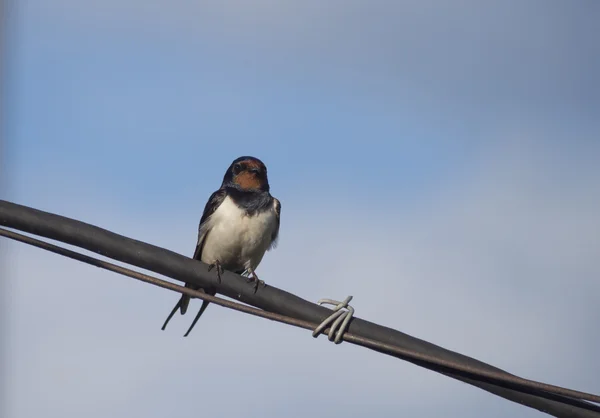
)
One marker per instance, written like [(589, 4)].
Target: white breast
[(237, 240)]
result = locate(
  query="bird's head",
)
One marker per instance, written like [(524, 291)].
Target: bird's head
[(247, 174)]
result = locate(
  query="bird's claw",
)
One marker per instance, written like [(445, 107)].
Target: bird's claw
[(335, 319), (256, 281), (220, 270)]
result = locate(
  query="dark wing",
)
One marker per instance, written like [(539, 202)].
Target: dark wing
[(214, 201), (275, 234)]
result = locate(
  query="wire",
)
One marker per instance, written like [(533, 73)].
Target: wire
[(510, 381), (271, 299)]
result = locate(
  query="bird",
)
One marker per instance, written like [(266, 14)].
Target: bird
[(239, 224)]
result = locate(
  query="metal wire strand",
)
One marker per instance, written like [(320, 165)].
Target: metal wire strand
[(556, 393), (337, 317)]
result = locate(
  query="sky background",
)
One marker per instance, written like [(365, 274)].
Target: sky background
[(437, 160)]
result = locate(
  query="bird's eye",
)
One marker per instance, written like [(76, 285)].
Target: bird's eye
[(237, 168)]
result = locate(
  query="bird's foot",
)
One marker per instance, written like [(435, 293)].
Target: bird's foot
[(338, 321), (256, 280), (220, 270)]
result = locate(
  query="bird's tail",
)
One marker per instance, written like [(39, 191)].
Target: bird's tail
[(182, 305), (198, 315)]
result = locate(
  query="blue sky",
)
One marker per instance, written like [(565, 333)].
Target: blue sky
[(456, 144)]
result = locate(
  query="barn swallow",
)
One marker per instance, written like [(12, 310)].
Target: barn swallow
[(239, 224)]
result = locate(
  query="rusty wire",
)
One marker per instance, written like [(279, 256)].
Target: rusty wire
[(510, 381)]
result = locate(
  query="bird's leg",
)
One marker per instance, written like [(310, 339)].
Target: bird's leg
[(216, 264), (255, 279), (337, 318)]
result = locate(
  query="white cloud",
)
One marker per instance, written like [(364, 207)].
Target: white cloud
[(502, 267)]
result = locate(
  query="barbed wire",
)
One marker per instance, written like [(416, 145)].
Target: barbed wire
[(554, 400)]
